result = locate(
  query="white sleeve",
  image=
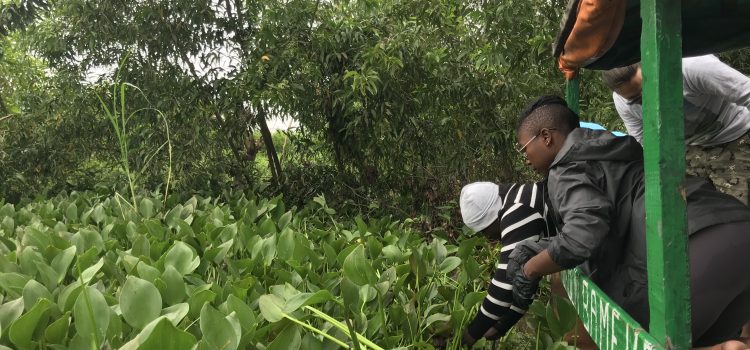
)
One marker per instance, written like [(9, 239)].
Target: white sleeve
[(707, 75), (631, 117)]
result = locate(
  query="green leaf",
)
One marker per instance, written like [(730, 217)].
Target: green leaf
[(114, 330), (184, 229), (182, 258), (86, 239), (285, 249), (146, 208), (438, 317), (268, 227), (561, 316), (269, 250), (304, 299), (392, 252), (68, 296), (449, 264), (148, 272), (351, 294), (361, 225), (61, 262), (439, 250), (176, 312), (228, 232), (374, 247), (71, 213), (271, 307), (472, 299), (57, 331), (141, 247), (358, 269), (244, 313), (34, 291), (79, 342), (13, 283), (218, 332), (98, 214), (9, 312), (173, 216), (29, 259), (90, 272), (161, 334), (175, 291), (48, 275), (22, 330), (9, 226), (235, 323), (321, 200), (218, 254), (91, 315), (472, 268), (155, 229), (198, 299), (288, 339), (140, 302), (284, 220), (311, 342)]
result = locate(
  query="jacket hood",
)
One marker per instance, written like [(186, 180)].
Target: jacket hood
[(586, 144)]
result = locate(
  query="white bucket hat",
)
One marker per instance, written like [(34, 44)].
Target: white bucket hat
[(480, 203)]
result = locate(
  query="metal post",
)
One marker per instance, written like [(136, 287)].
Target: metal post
[(572, 93), (664, 157)]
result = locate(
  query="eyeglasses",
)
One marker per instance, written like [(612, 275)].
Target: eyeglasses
[(523, 148)]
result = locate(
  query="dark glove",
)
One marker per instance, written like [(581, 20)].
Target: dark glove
[(467, 341), (493, 334), (524, 288)]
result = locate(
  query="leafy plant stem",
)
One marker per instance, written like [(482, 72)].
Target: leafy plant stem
[(355, 342), (324, 334), (538, 331), (343, 327)]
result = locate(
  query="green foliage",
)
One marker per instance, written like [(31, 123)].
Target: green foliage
[(397, 102), (17, 14), (249, 273)]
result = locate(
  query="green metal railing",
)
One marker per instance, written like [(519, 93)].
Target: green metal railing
[(664, 166)]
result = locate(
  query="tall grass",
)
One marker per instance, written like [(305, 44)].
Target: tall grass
[(119, 116)]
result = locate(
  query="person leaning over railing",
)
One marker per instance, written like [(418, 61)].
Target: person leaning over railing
[(717, 118), (596, 188), (510, 213)]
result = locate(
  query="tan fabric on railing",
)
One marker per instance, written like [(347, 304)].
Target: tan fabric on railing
[(597, 26)]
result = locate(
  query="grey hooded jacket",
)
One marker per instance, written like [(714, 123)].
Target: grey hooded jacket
[(596, 193)]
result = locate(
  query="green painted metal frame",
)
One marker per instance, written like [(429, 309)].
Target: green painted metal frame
[(664, 163), (608, 324)]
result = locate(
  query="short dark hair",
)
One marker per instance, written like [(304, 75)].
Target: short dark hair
[(615, 77), (549, 111)]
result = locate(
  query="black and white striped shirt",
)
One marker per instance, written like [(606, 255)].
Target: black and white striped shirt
[(522, 217)]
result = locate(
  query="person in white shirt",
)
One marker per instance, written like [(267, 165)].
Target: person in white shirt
[(717, 118)]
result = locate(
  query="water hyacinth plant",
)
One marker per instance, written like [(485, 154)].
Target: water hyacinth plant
[(84, 272), (81, 271)]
